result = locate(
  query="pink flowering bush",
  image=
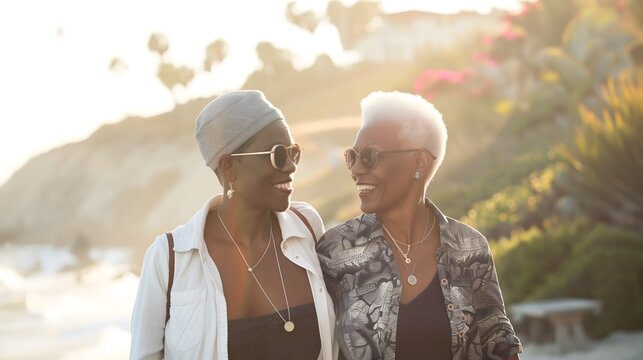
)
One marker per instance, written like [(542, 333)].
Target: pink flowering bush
[(431, 81)]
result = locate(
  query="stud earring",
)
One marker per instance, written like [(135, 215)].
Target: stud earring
[(416, 176), (230, 191)]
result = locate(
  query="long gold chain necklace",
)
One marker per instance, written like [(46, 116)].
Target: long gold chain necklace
[(289, 326)]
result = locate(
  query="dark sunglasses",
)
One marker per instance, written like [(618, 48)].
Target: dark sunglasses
[(369, 156), (279, 155)]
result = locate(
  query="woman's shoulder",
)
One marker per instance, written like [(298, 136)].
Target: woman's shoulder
[(311, 215), (349, 229), (349, 226), (464, 236), (158, 247), (305, 209), (155, 261)]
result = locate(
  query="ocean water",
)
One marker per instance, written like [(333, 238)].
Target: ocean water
[(50, 309)]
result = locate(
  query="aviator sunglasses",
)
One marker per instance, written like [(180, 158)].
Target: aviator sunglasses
[(369, 157), (279, 154)]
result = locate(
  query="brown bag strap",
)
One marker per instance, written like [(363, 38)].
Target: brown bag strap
[(305, 221), (170, 279)]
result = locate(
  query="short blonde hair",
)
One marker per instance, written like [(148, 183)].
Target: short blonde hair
[(421, 123)]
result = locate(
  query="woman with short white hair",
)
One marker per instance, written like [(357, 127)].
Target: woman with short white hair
[(407, 281)]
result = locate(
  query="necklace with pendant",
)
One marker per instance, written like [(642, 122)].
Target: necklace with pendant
[(409, 245), (411, 279), (289, 326)]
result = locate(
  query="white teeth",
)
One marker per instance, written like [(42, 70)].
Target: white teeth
[(284, 186), (364, 187)]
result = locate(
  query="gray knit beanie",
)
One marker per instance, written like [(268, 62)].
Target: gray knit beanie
[(228, 121)]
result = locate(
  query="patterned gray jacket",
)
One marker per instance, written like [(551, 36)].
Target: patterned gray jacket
[(363, 278)]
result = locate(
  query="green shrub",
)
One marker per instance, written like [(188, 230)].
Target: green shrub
[(516, 207), (526, 260), (577, 260), (507, 161)]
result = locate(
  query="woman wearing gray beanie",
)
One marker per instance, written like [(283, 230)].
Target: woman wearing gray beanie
[(240, 279)]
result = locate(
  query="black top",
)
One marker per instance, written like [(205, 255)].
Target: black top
[(264, 337), (423, 329)]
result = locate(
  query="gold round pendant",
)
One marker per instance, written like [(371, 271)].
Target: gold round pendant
[(289, 326), (407, 260), (412, 279)]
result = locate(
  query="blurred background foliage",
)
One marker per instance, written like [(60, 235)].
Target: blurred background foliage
[(577, 259), (564, 213)]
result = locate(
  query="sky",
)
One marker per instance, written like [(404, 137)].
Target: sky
[(56, 86)]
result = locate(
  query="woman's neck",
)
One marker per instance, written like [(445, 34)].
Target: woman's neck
[(408, 221), (245, 223)]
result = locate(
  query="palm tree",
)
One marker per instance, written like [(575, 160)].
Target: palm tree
[(215, 52)]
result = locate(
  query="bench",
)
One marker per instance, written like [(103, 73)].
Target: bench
[(565, 314)]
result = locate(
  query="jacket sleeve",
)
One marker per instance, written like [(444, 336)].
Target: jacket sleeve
[(148, 316), (325, 246), (497, 336)]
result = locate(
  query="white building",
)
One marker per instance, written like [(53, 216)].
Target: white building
[(400, 37)]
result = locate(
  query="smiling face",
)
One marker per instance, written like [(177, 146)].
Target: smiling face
[(390, 183), (256, 181)]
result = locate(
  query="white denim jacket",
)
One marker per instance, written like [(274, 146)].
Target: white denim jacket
[(198, 325)]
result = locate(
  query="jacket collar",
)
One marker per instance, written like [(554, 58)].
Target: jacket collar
[(291, 226), (446, 235), (190, 235)]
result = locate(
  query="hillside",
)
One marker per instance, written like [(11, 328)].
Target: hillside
[(132, 180), (123, 184)]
